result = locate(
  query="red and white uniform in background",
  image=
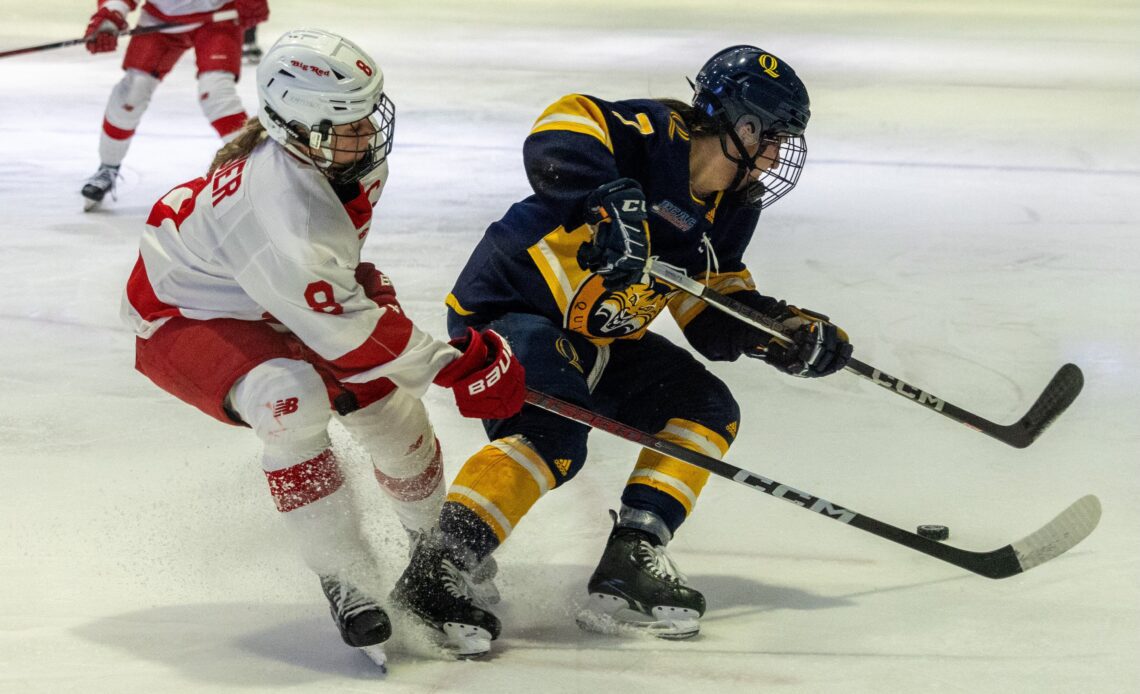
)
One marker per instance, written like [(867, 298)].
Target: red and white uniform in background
[(150, 57)]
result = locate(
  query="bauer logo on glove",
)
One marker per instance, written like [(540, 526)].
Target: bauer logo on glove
[(487, 378), (494, 375)]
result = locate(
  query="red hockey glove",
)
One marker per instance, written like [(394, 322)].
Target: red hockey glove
[(251, 12), (376, 284), (103, 30), (488, 380)]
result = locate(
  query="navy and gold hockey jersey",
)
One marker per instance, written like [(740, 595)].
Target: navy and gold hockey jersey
[(527, 261)]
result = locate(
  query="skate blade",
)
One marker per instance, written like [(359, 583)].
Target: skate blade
[(89, 204), (466, 641), (377, 655), (611, 615)]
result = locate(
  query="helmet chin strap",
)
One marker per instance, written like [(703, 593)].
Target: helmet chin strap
[(320, 139), (743, 166)]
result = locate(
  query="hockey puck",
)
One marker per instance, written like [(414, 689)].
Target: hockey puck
[(934, 532)]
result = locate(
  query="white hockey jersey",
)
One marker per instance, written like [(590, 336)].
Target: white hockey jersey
[(266, 238)]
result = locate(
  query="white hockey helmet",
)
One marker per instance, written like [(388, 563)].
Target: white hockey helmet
[(311, 80)]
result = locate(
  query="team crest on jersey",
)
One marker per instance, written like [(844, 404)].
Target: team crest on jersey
[(673, 214), (566, 349), (599, 312)]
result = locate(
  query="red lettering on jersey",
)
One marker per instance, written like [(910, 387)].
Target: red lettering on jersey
[(284, 407), (227, 180)]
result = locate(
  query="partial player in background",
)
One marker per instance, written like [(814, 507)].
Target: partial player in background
[(250, 50), (250, 302), (563, 276), (150, 57)]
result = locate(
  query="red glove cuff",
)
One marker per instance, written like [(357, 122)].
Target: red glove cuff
[(474, 357), (376, 284)]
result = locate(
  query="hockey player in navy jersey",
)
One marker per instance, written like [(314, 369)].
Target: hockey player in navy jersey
[(563, 276)]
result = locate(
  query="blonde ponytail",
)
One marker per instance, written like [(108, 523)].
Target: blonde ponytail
[(252, 133)]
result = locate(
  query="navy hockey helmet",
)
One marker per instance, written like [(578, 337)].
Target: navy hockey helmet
[(754, 97)]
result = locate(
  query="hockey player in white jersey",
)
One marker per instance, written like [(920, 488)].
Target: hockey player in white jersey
[(249, 301), (150, 57)]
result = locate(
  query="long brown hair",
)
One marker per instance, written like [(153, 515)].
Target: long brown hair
[(697, 122), (250, 135)]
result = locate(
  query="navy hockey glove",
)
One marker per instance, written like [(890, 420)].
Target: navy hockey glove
[(721, 337), (619, 250), (818, 348)]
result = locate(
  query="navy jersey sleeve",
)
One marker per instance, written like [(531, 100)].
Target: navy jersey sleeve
[(570, 152)]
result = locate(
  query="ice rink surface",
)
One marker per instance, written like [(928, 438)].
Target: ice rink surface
[(970, 214)]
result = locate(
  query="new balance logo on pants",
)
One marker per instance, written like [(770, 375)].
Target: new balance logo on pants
[(284, 407)]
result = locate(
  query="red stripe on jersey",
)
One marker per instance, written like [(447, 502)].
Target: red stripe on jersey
[(229, 124), (359, 210), (141, 294), (305, 482), (387, 341), (414, 488), (116, 133)]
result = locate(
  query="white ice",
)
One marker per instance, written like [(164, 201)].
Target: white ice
[(969, 214)]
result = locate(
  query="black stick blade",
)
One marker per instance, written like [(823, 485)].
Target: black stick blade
[(1054, 400)]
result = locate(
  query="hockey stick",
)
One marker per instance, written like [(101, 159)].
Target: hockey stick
[(1052, 540), (223, 16), (1057, 396)]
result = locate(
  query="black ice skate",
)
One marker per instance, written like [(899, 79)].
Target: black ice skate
[(479, 582), (434, 589), (97, 187), (637, 585), (362, 623)]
